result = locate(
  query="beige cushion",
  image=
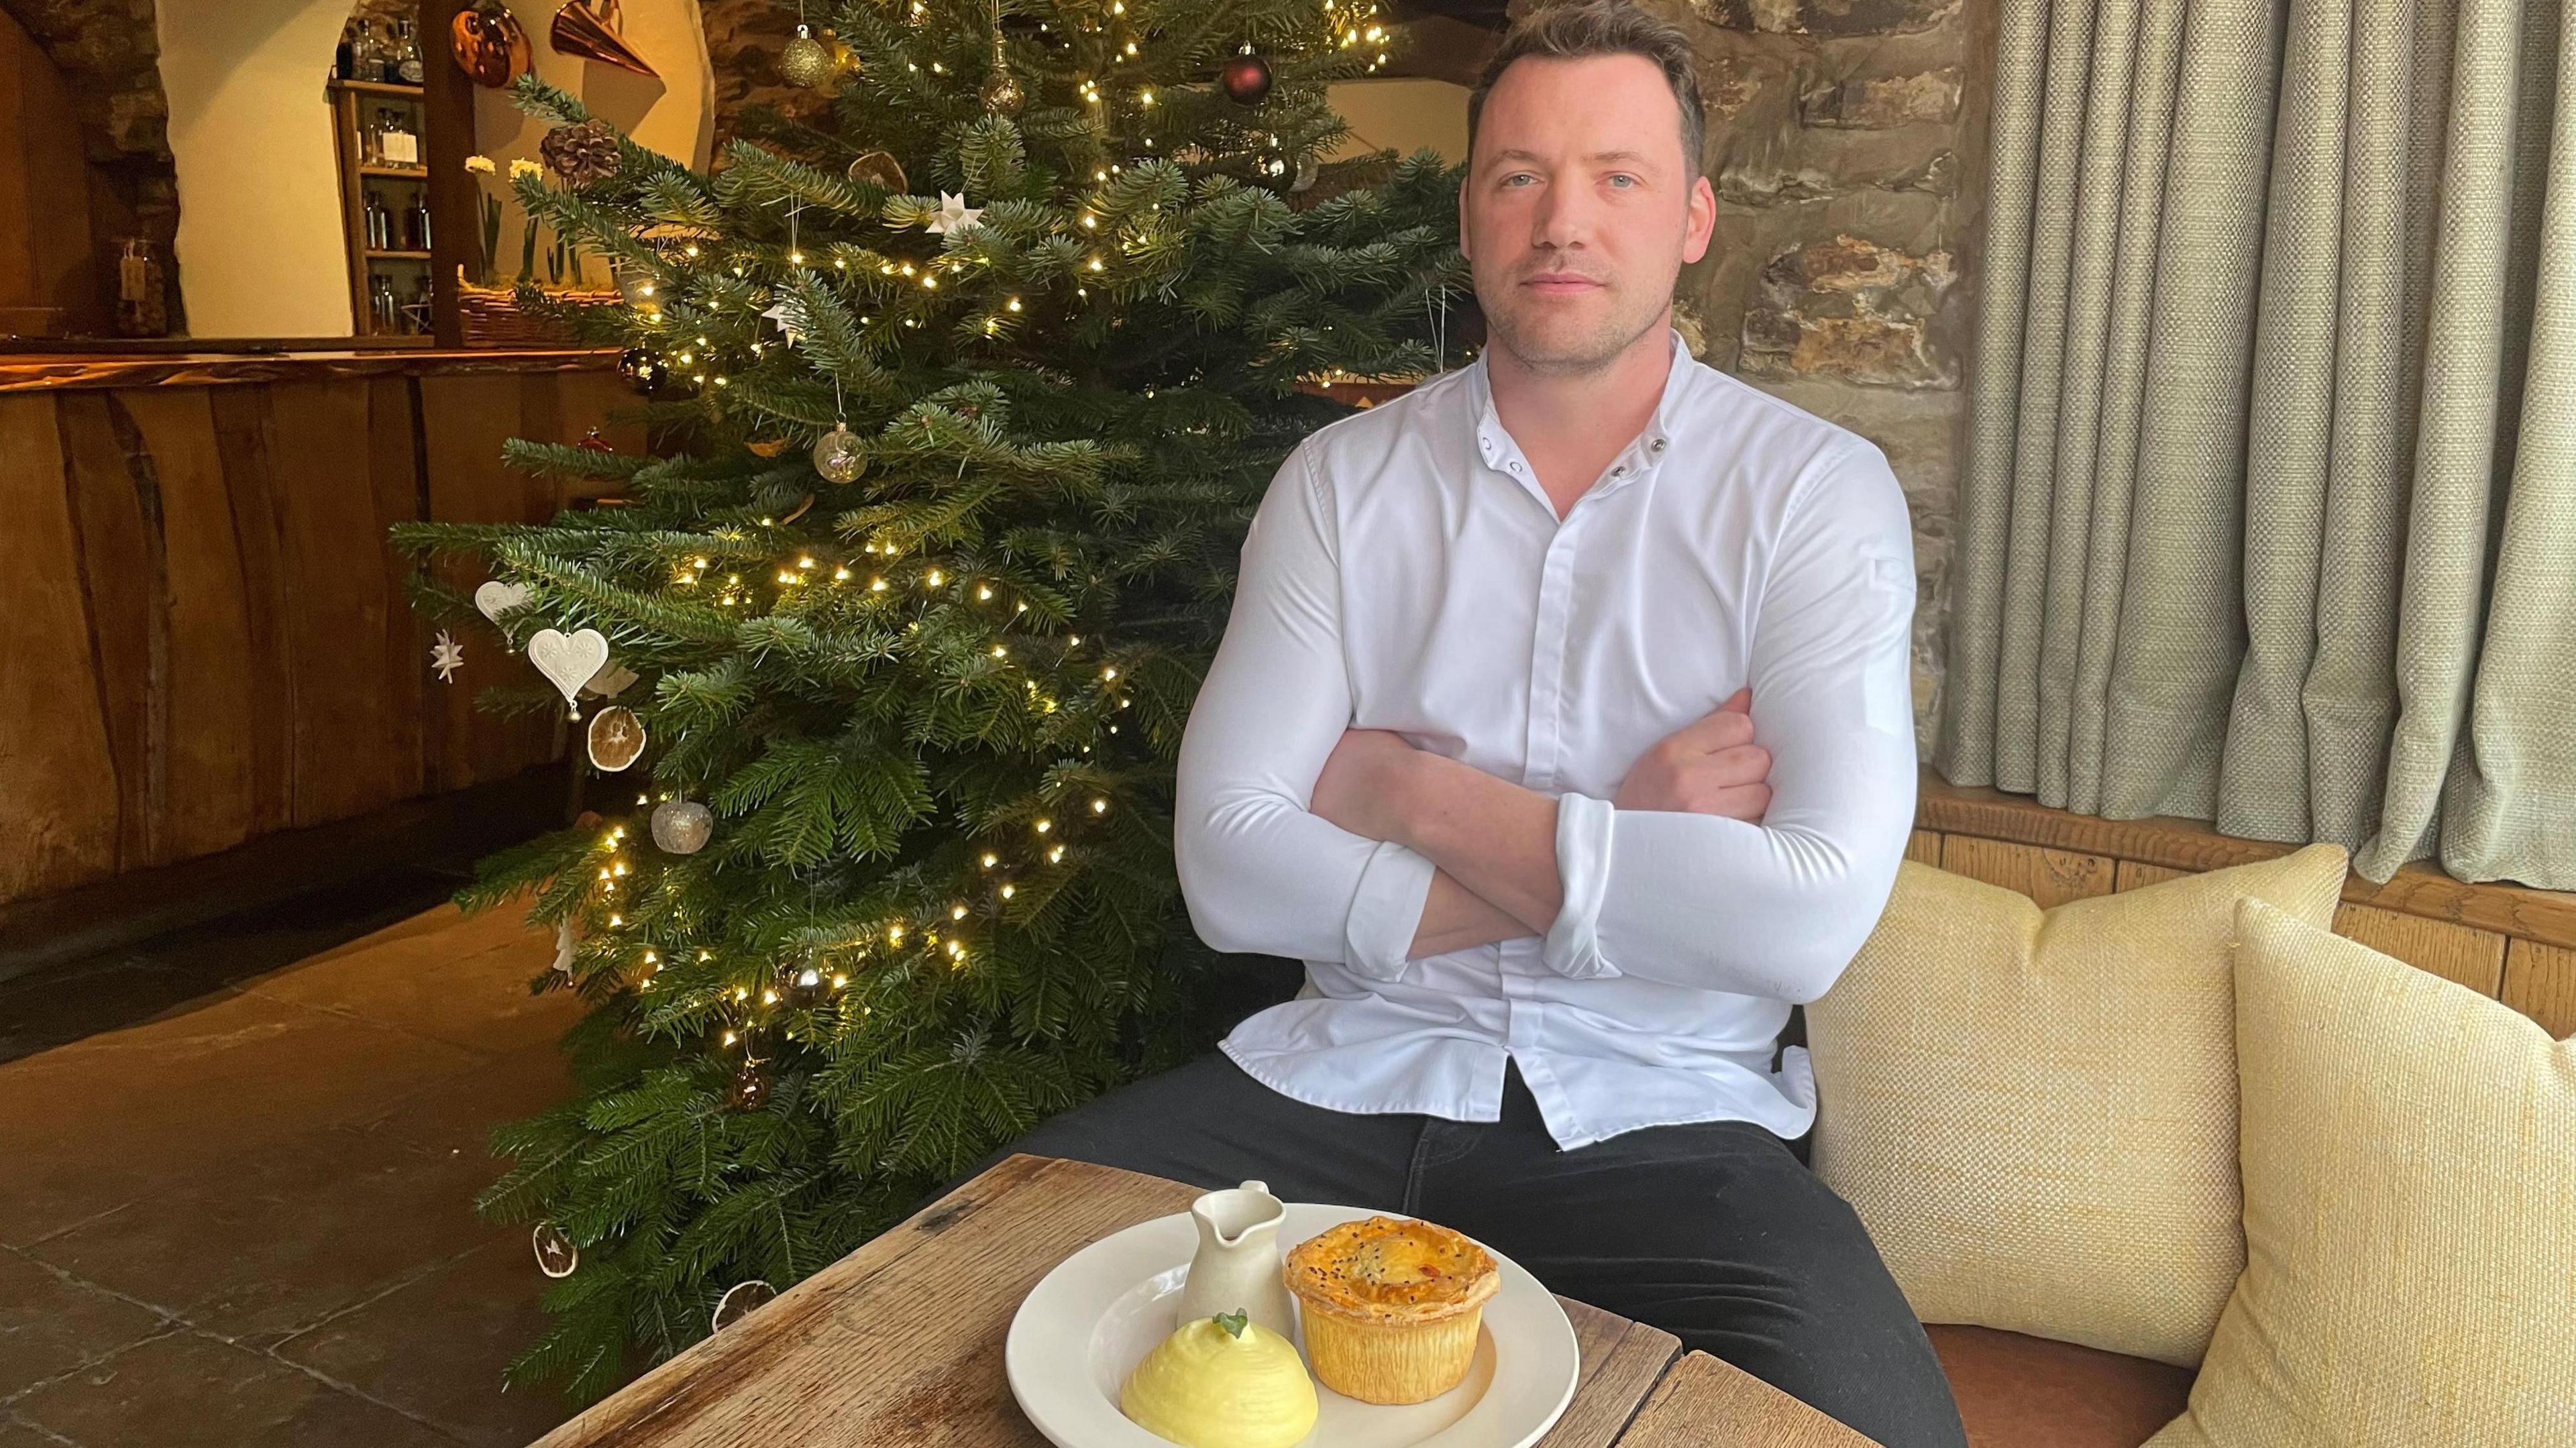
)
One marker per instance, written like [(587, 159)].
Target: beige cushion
[(2035, 1113), (2410, 1201)]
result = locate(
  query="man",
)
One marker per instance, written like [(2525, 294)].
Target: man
[(1478, 748)]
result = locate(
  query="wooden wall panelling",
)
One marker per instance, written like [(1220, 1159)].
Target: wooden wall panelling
[(2049, 877), (393, 468), (57, 776), (208, 719), (1923, 847), (49, 269), (465, 421), (2474, 958), (116, 512), (2540, 982), (2133, 873), (329, 542), (245, 441)]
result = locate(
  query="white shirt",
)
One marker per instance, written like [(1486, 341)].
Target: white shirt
[(1406, 571)]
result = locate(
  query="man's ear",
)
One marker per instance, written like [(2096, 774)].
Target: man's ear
[(1702, 222), (1462, 221)]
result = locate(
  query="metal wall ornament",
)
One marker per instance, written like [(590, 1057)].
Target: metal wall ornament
[(489, 44), (589, 29)]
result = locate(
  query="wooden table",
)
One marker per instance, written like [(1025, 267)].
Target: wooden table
[(900, 1344)]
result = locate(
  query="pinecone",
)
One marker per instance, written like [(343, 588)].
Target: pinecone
[(584, 155)]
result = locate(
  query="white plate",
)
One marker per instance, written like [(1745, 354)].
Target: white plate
[(1102, 1309)]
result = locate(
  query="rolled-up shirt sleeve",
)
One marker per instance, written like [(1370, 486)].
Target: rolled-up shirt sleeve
[(1259, 870), (1779, 908)]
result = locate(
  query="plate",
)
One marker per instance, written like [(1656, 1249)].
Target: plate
[(1092, 1319)]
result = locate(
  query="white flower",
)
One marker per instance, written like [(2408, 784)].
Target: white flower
[(521, 168), (480, 165)]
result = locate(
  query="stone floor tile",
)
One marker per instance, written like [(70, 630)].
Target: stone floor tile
[(455, 1117), (280, 1238), (436, 1348), (459, 979), (186, 1390), (48, 1325), (17, 1432), (91, 1126)]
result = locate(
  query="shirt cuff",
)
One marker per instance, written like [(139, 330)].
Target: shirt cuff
[(1583, 832), (1386, 911)]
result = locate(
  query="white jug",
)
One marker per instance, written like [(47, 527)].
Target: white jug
[(1238, 1264)]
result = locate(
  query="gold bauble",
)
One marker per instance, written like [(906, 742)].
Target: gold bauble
[(1002, 93), (805, 62)]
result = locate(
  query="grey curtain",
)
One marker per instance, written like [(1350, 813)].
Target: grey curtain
[(2268, 512)]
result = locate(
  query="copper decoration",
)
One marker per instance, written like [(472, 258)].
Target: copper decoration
[(588, 28), (489, 45)]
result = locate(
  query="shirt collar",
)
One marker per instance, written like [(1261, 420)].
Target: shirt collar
[(1493, 443)]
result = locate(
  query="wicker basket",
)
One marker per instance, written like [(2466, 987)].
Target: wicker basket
[(491, 316)]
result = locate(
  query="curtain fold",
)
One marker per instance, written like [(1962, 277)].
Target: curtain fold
[(2268, 510)]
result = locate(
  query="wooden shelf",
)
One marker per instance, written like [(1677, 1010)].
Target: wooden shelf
[(402, 173), (375, 255), (377, 88)]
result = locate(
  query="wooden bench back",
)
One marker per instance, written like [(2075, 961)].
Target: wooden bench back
[(2508, 942)]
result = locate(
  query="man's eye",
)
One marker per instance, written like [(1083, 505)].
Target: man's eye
[(1517, 177), (1623, 178)]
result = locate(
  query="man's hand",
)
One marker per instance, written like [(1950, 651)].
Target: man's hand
[(1362, 786), (1709, 766)]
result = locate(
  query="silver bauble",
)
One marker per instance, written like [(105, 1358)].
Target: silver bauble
[(1305, 172), (838, 456), (805, 61), (682, 826)]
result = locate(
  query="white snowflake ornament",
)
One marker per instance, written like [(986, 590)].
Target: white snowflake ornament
[(446, 655), (954, 214), (789, 314)]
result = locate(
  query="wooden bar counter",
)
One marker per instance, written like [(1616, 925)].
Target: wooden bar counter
[(203, 632)]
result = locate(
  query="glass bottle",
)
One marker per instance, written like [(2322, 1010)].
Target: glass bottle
[(344, 60), (380, 302), (366, 56), (407, 65)]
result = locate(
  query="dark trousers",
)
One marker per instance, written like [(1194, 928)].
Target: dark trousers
[(1713, 1232)]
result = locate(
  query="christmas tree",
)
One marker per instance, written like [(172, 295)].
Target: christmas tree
[(961, 402)]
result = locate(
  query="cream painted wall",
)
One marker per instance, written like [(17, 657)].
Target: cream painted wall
[(1403, 116), (674, 114), (259, 246)]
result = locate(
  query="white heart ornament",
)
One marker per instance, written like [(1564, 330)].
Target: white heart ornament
[(568, 660), (497, 598)]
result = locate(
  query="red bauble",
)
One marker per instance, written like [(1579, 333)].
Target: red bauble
[(1246, 79)]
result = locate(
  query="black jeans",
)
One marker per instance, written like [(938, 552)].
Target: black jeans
[(1713, 1232)]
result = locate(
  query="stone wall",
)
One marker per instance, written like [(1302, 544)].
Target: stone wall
[(109, 52), (1847, 148)]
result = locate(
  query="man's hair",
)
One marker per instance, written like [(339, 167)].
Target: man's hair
[(1573, 29)]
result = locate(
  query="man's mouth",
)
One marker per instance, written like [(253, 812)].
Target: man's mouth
[(1561, 282)]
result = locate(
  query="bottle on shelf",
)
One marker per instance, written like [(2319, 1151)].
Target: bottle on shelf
[(407, 64), (384, 311), (366, 55), (373, 214), (344, 60), (419, 223)]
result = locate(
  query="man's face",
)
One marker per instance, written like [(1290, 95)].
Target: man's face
[(1579, 210)]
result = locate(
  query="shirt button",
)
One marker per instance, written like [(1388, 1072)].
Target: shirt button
[(1620, 471), (1659, 444)]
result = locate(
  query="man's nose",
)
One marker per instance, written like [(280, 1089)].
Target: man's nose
[(1562, 218)]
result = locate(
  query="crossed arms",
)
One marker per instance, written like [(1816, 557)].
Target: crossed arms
[(1749, 852)]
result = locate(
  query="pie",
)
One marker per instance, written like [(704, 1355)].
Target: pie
[(1391, 1306)]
